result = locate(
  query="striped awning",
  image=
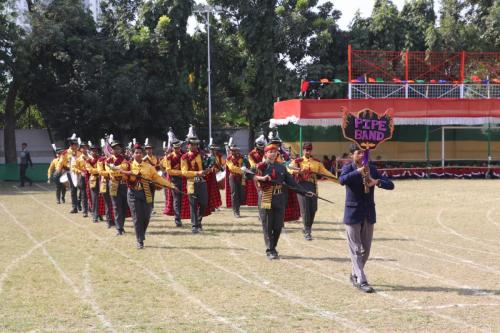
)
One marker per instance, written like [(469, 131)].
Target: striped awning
[(328, 112)]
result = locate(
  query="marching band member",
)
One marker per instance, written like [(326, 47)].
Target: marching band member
[(94, 180), (104, 188), (118, 186), (139, 197), (234, 163), (172, 165), (255, 156), (192, 169), (67, 163), (271, 176), (81, 169), (306, 169), (155, 163), (55, 176)]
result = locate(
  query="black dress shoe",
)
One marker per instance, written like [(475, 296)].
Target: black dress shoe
[(365, 287), (73, 211)]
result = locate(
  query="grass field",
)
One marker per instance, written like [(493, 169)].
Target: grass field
[(435, 264)]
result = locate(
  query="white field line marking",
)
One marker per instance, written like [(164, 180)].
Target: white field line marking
[(441, 252), (56, 265), (456, 233), (291, 297), (450, 282), (88, 294), (488, 215), (404, 301), (453, 246), (152, 274), (193, 299), (324, 275), (25, 255), (426, 307), (323, 313)]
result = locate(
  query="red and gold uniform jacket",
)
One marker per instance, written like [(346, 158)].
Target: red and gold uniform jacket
[(142, 174), (309, 168), (234, 164), (68, 159), (255, 157), (191, 163), (172, 164), (114, 163), (93, 171), (153, 160)]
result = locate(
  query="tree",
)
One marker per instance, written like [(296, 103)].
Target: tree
[(11, 62), (416, 18), (385, 26), (62, 74)]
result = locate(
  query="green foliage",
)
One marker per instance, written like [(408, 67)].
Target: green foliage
[(137, 71)]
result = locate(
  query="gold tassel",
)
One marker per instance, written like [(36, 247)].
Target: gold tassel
[(113, 191), (267, 198), (102, 185)]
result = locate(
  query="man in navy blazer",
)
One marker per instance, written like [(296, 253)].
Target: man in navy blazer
[(359, 213)]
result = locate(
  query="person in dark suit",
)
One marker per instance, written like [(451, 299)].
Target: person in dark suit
[(359, 213), (25, 161)]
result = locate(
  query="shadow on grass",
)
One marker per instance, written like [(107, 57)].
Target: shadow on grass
[(459, 291), (181, 232), (201, 248), (337, 259), (389, 239)]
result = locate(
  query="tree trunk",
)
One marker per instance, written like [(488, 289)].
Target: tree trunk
[(251, 136), (9, 133)]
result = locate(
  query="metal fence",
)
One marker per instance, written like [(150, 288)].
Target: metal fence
[(381, 90)]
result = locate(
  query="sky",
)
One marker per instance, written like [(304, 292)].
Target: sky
[(347, 7)]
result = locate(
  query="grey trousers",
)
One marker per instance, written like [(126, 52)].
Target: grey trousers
[(108, 205), (177, 198), (94, 196), (120, 206), (153, 190), (359, 238), (82, 194), (308, 206), (272, 223), (60, 187), (141, 213), (198, 204), (74, 192), (237, 193)]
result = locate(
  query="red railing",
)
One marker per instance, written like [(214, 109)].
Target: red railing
[(377, 66)]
